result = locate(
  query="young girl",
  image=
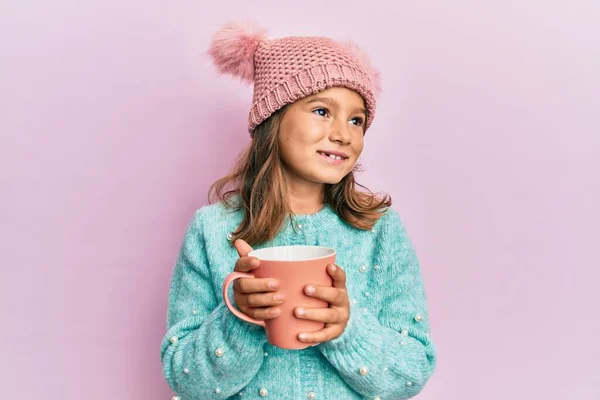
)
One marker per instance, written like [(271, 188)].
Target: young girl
[(314, 99)]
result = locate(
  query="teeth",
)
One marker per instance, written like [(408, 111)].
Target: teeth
[(333, 156)]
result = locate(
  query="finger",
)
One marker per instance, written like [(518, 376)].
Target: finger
[(255, 285), (327, 315), (245, 264), (323, 335), (262, 313), (242, 247), (334, 296), (259, 300), (338, 275)]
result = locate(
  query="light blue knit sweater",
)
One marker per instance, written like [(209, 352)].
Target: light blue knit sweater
[(386, 351)]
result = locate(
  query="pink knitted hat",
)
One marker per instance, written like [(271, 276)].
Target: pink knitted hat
[(287, 69)]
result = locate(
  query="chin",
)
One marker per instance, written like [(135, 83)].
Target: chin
[(330, 179)]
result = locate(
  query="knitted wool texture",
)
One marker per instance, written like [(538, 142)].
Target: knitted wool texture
[(385, 352), (287, 69)]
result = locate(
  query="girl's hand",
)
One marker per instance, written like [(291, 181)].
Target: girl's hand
[(257, 298), (335, 317)]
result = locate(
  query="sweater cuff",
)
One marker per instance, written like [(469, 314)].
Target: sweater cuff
[(240, 334)]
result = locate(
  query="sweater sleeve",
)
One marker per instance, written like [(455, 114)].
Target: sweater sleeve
[(207, 352), (391, 355)]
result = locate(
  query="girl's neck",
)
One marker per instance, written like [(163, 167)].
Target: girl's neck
[(308, 204), (305, 197)]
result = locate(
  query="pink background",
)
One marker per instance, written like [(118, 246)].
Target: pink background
[(113, 125)]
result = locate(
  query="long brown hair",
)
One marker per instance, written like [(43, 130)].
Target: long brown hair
[(259, 181)]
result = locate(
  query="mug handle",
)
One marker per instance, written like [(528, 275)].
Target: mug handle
[(230, 278)]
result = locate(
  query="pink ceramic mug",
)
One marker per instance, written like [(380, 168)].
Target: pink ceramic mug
[(294, 267)]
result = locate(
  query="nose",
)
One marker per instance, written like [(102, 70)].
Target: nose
[(340, 133)]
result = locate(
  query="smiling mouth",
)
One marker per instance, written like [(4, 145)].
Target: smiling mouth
[(332, 156)]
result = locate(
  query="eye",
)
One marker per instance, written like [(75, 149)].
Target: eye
[(321, 111), (358, 121)]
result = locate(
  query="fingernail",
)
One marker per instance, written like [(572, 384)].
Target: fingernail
[(273, 284), (332, 268), (278, 297), (299, 311), (303, 336), (275, 312), (254, 262), (310, 289)]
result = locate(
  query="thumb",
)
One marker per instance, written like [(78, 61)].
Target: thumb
[(242, 247)]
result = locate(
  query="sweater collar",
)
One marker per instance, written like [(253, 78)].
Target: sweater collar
[(322, 219)]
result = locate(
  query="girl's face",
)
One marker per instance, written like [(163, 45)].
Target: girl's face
[(321, 136)]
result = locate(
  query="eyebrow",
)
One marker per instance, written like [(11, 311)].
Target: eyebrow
[(331, 101)]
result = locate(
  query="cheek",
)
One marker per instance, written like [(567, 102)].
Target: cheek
[(286, 146), (312, 133), (358, 145), (295, 147), (306, 139)]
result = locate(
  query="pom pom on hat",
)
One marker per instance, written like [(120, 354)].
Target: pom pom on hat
[(368, 67), (233, 46)]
